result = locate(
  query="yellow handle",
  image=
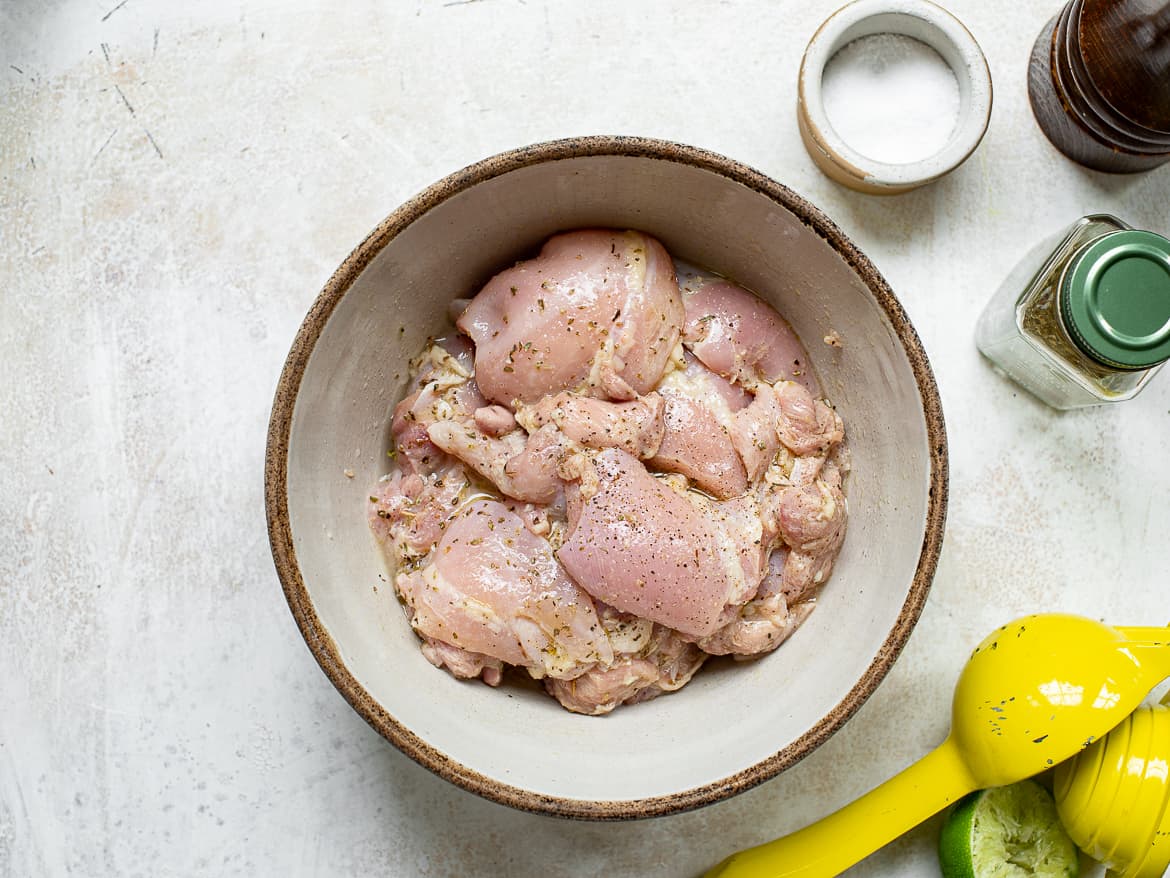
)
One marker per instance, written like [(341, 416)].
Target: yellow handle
[(1151, 646), (830, 846)]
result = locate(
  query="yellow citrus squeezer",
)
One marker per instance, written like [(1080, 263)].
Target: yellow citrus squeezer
[(1034, 693), (1112, 797)]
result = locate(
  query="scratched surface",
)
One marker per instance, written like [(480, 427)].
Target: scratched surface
[(176, 183)]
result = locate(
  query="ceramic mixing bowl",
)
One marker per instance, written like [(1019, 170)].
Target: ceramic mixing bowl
[(734, 725)]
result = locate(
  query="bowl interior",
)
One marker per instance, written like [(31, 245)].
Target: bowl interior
[(733, 725)]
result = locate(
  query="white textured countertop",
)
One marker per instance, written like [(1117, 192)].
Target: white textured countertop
[(179, 179)]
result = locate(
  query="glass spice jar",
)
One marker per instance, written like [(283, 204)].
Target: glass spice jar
[(1084, 319)]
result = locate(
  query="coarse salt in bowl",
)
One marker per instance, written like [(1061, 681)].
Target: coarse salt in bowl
[(892, 95), (734, 725)]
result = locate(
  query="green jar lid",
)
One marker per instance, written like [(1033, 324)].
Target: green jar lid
[(1115, 299)]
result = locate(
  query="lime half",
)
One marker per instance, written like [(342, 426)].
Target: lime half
[(1007, 832)]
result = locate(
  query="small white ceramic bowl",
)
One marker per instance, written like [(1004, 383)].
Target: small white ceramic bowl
[(732, 726), (927, 23)]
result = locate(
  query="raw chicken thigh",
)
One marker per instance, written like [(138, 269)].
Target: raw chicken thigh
[(658, 552), (700, 417), (740, 336), (495, 589), (598, 312), (608, 479)]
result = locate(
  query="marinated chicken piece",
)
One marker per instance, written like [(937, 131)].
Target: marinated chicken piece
[(740, 336), (786, 413), (807, 469), (700, 410), (409, 512), (649, 660), (392, 497), (526, 466), (462, 664), (800, 574), (754, 431), (774, 576), (810, 519), (742, 525), (460, 349), (495, 420), (598, 312), (601, 689), (492, 587), (807, 425), (643, 547), (539, 467), (677, 660), (442, 388), (635, 426), (412, 444), (537, 518), (531, 478), (760, 625)]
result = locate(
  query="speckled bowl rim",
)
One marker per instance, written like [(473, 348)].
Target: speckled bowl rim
[(277, 506)]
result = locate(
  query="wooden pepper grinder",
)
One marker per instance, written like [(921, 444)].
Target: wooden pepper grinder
[(1099, 82)]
